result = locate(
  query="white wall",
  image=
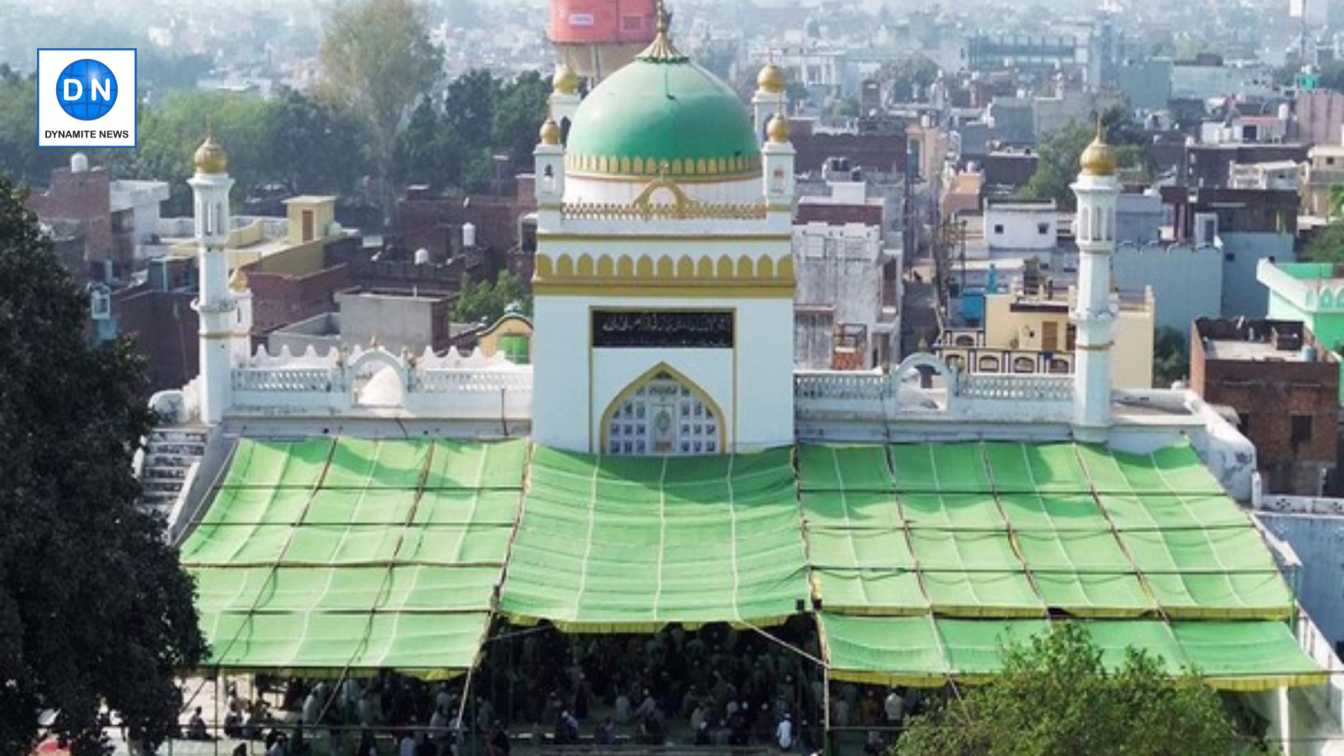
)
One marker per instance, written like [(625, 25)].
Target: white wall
[(1021, 227), (752, 383)]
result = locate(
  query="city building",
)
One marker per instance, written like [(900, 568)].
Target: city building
[(1324, 168), (1284, 389)]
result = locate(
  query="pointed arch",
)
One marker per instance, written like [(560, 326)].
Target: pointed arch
[(663, 413)]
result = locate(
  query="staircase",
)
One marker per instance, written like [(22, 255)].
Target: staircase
[(169, 454)]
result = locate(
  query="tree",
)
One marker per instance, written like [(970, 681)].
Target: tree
[(1057, 157), (94, 607), (313, 146), (1057, 697), (518, 114), (377, 60), (469, 107), (429, 151), (488, 302), (1171, 359)]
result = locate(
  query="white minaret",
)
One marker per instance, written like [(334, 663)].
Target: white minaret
[(1094, 311), (215, 304), (548, 161), (769, 99), (777, 157), (241, 290), (564, 94)]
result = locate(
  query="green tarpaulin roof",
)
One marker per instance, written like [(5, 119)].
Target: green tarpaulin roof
[(323, 555), (619, 544), (998, 529), (329, 554), (926, 651)]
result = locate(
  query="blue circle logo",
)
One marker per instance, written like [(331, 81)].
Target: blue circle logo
[(86, 89)]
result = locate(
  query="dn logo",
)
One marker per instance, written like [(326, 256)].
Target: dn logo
[(86, 89)]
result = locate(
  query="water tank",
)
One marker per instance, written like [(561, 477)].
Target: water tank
[(422, 256), (596, 37), (468, 235), (1308, 353), (79, 163), (1284, 112)]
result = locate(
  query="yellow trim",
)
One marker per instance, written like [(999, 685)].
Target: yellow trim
[(646, 377), (585, 271), (703, 290), (548, 237)]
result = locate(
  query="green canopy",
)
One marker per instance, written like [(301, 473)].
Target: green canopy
[(355, 554), (999, 529), (621, 544), (927, 651)]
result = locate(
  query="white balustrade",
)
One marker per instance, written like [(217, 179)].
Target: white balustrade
[(1010, 387)]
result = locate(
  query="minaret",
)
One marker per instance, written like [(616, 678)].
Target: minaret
[(564, 94), (215, 303), (777, 156), (1094, 312), (549, 174), (241, 291), (770, 97)]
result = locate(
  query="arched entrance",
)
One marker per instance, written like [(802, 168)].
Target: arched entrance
[(663, 413)]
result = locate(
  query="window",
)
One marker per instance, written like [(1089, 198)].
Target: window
[(1230, 256), (1042, 228), (998, 228), (1329, 161), (307, 226), (988, 364), (1024, 364), (663, 416), (1049, 336), (1301, 430)]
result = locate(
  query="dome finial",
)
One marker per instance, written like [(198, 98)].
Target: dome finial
[(550, 132), (772, 78), (661, 48), (1098, 159), (565, 80), (210, 157), (778, 129)]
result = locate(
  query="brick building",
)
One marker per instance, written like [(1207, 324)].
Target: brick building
[(1285, 392)]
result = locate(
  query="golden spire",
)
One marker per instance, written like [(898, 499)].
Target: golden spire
[(661, 48), (1098, 159), (550, 132), (778, 129), (772, 78), (565, 81), (238, 281), (210, 157)]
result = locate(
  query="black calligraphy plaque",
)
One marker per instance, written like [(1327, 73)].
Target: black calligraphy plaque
[(663, 328)]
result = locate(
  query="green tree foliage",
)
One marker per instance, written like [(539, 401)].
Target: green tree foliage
[(19, 156), (1327, 245), (518, 115), (486, 301), (1057, 156), (429, 151), (377, 61), (469, 107), (1056, 697), (1171, 357), (94, 607)]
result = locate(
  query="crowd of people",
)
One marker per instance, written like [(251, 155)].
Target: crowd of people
[(710, 686)]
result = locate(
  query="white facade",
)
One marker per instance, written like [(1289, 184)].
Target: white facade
[(1021, 225)]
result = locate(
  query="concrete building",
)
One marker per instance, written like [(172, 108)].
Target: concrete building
[(1031, 333), (1186, 281), (1281, 175), (1020, 226), (117, 219), (1324, 168), (1284, 389), (1139, 218), (1312, 293), (847, 298), (397, 321), (1319, 117)]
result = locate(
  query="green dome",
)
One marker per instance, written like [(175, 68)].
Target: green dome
[(663, 113)]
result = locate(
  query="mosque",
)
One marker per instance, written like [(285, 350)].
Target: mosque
[(662, 461)]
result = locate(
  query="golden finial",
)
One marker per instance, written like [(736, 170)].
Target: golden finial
[(1098, 159), (778, 129), (565, 80), (550, 132), (661, 48), (238, 281), (772, 78), (210, 157)]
